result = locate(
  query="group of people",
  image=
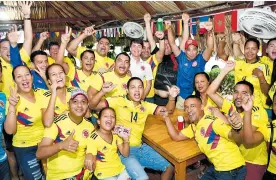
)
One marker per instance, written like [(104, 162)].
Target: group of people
[(66, 122)]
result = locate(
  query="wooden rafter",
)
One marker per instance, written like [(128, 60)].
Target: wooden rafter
[(127, 14), (92, 10), (147, 7), (104, 10), (180, 5), (81, 15)]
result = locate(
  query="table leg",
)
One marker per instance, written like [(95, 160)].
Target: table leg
[(180, 171)]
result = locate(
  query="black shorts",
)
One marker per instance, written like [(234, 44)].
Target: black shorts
[(8, 141)]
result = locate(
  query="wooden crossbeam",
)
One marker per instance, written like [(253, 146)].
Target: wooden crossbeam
[(147, 7), (104, 10), (180, 5), (123, 10)]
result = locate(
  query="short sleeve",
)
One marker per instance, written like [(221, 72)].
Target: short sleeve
[(259, 117), (151, 108), (227, 106), (202, 61), (25, 58), (46, 95), (221, 128), (71, 73), (51, 132), (189, 131), (148, 72), (97, 82), (80, 50), (91, 146), (181, 56)]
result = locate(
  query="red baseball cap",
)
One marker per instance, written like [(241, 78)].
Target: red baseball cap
[(190, 42)]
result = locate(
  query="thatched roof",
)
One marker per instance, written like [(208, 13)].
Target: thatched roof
[(54, 15)]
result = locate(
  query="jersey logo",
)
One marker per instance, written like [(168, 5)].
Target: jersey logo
[(68, 133), (2, 104), (212, 136), (142, 68), (85, 133), (194, 64), (125, 107), (59, 136), (104, 148), (142, 109), (202, 131), (24, 119), (107, 65), (124, 86), (56, 108), (186, 64), (100, 156), (26, 109)]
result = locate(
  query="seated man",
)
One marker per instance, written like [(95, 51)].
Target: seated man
[(255, 157), (215, 139), (132, 113), (64, 143)]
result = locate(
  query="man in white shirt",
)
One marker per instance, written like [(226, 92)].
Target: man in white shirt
[(138, 67)]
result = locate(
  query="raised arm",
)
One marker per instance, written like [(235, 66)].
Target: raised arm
[(48, 114), (14, 51), (161, 52), (147, 19), (237, 45), (214, 86), (73, 45), (124, 147), (185, 36), (28, 32), (221, 46), (65, 38), (42, 37), (210, 41), (171, 39)]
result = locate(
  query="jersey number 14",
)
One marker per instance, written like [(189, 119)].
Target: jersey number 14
[(134, 117)]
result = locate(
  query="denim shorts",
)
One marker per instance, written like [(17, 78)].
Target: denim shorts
[(28, 163), (212, 174), (141, 157)]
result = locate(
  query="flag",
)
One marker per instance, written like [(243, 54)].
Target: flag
[(202, 20), (57, 34), (193, 26), (38, 35), (118, 31), (104, 33), (235, 19), (179, 27), (153, 27), (52, 34), (219, 22)]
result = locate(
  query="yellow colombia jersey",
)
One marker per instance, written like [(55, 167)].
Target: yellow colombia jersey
[(119, 90), (60, 107), (108, 162), (267, 133), (154, 65), (211, 135), (243, 71), (78, 79), (66, 164), (101, 62), (7, 80), (210, 103), (258, 154), (131, 116), (272, 91), (29, 121)]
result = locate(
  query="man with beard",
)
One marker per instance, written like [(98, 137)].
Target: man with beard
[(103, 63), (255, 156)]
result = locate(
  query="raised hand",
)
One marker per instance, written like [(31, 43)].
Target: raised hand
[(236, 37), (124, 133), (26, 8), (235, 120), (208, 25), (214, 111), (53, 88), (69, 144), (257, 72), (102, 70), (65, 38), (147, 17), (41, 73), (247, 102), (185, 17), (159, 34), (167, 24), (173, 91), (89, 163), (108, 86), (229, 66), (89, 31), (14, 97), (44, 35), (13, 35)]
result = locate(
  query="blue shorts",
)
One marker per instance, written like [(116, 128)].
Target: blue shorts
[(4, 170), (141, 157), (28, 163)]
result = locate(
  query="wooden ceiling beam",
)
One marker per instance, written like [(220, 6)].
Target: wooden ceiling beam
[(104, 10), (147, 7), (92, 10), (180, 5), (127, 14)]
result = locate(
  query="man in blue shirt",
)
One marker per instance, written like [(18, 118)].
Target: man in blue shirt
[(189, 60)]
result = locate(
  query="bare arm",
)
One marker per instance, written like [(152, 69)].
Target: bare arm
[(147, 88), (210, 42), (28, 32), (124, 147), (237, 45), (47, 148), (185, 36), (221, 46), (161, 52), (174, 134), (42, 37), (171, 39), (147, 19)]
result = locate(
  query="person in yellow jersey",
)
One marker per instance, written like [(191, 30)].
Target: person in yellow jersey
[(103, 146), (103, 63), (132, 113), (24, 120), (58, 95), (201, 84), (215, 138), (118, 78), (255, 157), (267, 133), (254, 71), (64, 143), (80, 78)]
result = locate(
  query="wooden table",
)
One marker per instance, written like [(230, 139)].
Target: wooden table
[(180, 154)]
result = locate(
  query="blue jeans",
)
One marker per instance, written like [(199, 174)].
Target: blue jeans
[(4, 170), (28, 163), (236, 174), (141, 157)]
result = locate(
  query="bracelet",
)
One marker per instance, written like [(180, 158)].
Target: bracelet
[(27, 18), (161, 39)]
